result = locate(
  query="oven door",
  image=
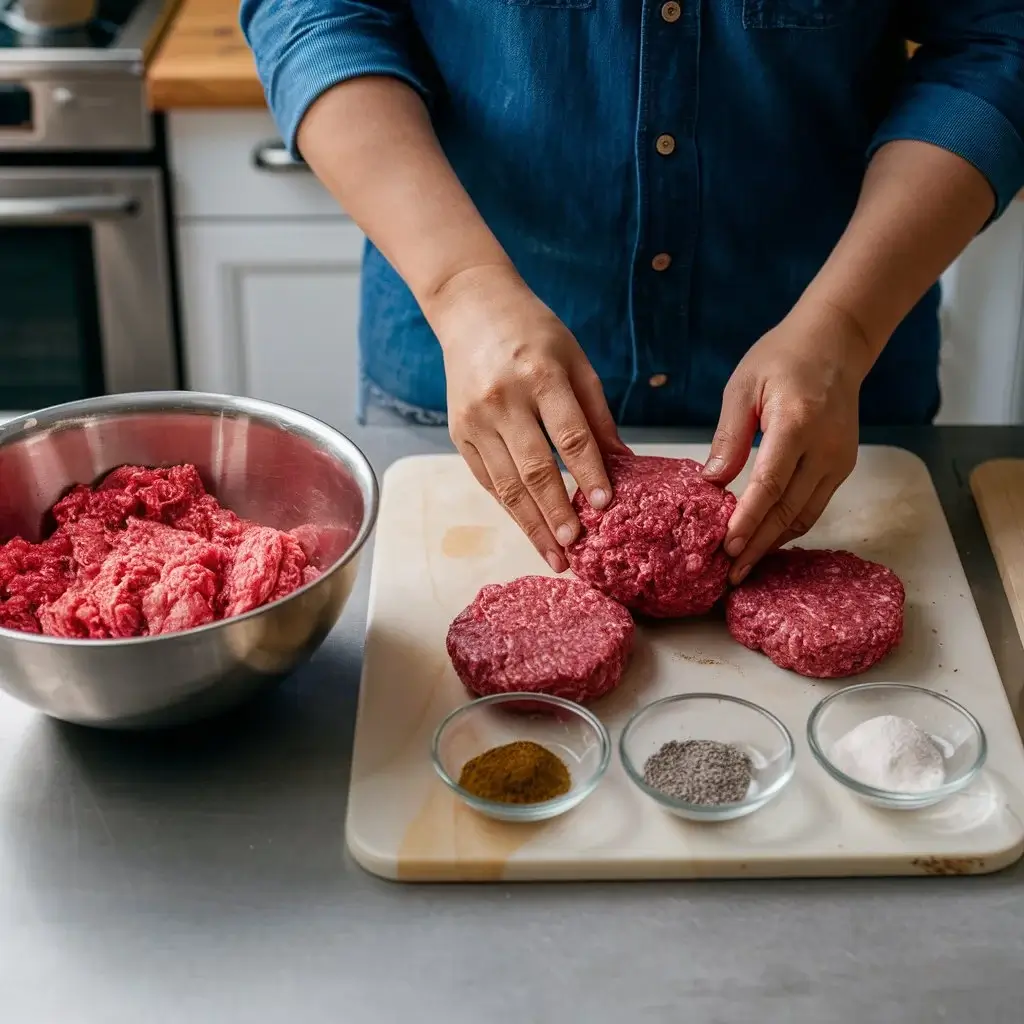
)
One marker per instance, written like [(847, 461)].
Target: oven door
[(85, 299)]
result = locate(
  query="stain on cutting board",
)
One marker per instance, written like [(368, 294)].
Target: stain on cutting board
[(447, 836), (469, 541)]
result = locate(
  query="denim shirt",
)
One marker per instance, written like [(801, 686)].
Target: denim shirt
[(666, 176)]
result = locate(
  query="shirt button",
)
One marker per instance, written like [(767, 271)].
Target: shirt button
[(665, 145), (671, 11), (658, 380), (662, 261)]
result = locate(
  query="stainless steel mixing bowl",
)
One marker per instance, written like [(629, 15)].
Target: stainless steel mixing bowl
[(269, 464)]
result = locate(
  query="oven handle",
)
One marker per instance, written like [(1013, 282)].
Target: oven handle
[(66, 209), (275, 158)]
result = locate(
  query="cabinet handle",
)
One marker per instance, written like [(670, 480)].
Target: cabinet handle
[(66, 209), (275, 158)]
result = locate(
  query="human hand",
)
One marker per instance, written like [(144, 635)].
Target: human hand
[(513, 372), (800, 384)]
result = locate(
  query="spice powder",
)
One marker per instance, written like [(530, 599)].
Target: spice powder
[(703, 772), (522, 772)]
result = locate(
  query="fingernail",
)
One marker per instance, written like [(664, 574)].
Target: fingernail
[(741, 575), (555, 561), (565, 534), (598, 498), (714, 466), (735, 546)]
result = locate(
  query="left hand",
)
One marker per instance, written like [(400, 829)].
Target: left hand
[(800, 384)]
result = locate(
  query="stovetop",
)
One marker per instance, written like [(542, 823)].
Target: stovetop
[(123, 30), (99, 34)]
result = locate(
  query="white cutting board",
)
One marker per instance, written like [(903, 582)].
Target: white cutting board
[(440, 537)]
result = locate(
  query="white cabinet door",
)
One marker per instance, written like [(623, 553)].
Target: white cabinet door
[(216, 169), (271, 310), (983, 327)]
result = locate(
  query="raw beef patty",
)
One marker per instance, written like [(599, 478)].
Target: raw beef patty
[(658, 547), (541, 634), (824, 614)]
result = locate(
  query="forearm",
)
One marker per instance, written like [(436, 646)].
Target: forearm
[(370, 141), (919, 208)]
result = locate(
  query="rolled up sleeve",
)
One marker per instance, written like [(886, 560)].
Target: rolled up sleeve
[(305, 47), (965, 87)]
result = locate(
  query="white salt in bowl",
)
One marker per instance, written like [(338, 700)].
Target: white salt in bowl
[(710, 716), (955, 731)]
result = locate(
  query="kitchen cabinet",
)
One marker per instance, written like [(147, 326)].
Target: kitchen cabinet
[(982, 371), (268, 268), (271, 310)]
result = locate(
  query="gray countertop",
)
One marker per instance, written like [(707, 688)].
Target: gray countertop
[(203, 878)]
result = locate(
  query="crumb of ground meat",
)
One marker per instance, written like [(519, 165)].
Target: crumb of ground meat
[(17, 614), (36, 572), (146, 552), (266, 565)]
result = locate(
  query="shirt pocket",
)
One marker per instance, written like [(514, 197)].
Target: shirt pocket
[(797, 13), (578, 5)]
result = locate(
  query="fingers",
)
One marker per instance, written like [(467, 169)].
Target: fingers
[(779, 517), (539, 473), (571, 434), (812, 511), (476, 466), (505, 481), (737, 426), (774, 467), (590, 394)]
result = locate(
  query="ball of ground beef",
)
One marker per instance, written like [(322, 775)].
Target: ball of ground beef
[(658, 547), (541, 634), (823, 614)]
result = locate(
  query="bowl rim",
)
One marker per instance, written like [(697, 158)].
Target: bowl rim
[(707, 810), (890, 796), (326, 438), (575, 796)]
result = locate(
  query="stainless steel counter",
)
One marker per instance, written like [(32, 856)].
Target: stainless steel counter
[(203, 878)]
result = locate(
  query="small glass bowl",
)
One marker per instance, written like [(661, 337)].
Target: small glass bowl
[(711, 716), (566, 729), (956, 732)]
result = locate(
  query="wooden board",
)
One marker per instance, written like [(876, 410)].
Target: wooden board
[(998, 488), (440, 537), (204, 61)]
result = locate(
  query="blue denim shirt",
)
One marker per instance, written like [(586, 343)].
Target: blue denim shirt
[(604, 139)]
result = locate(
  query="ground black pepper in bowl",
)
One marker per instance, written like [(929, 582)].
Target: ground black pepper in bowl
[(707, 756), (701, 772)]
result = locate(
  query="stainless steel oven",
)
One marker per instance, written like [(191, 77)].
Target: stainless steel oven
[(85, 270)]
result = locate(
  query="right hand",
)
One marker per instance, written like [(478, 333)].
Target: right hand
[(513, 371)]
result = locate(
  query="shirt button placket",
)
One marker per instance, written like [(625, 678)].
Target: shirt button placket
[(665, 145), (669, 48)]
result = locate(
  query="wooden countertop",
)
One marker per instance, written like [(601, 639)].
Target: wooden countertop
[(204, 61)]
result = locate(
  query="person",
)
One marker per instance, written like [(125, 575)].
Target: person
[(589, 213)]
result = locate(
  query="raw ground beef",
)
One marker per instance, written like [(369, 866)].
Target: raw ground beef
[(541, 634), (824, 614), (658, 547), (148, 551)]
